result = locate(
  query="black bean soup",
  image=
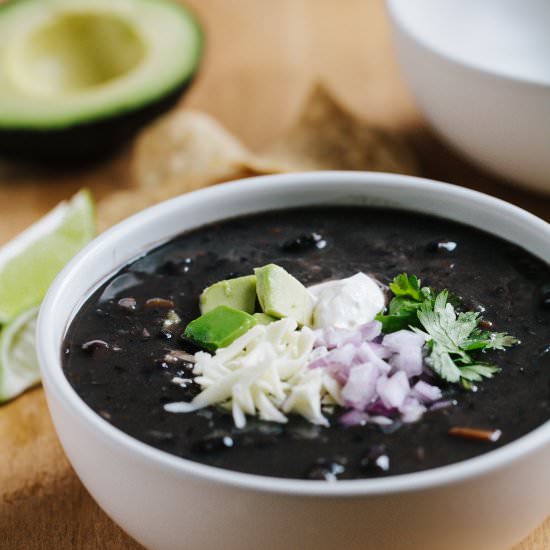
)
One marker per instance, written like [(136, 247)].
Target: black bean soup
[(115, 352)]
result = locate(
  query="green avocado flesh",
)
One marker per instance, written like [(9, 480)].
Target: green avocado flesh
[(264, 318), (281, 295), (67, 64), (67, 60), (219, 327), (238, 293)]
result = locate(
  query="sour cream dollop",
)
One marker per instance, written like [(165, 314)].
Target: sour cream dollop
[(346, 303)]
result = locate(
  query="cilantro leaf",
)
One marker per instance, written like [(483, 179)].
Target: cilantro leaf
[(450, 336), (402, 313), (393, 323), (500, 341), (403, 308), (441, 362), (490, 340), (476, 372), (401, 305), (406, 285), (443, 326)]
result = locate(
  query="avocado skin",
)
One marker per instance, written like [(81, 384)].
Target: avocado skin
[(85, 141)]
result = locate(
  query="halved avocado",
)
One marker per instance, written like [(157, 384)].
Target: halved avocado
[(79, 77)]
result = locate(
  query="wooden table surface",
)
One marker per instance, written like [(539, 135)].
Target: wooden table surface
[(262, 57)]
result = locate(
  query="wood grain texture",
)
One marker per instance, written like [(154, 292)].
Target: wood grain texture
[(262, 57)]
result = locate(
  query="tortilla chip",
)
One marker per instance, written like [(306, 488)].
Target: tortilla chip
[(188, 147), (191, 149), (329, 137)]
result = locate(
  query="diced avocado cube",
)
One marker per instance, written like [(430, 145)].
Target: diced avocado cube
[(219, 327), (264, 318), (281, 295), (238, 293)]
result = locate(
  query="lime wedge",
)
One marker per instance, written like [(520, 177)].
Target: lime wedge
[(18, 363), (30, 262)]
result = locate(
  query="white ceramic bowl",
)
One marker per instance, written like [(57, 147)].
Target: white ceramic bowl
[(166, 502), (480, 71)]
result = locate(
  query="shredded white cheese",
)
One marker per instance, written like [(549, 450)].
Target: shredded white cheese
[(264, 373)]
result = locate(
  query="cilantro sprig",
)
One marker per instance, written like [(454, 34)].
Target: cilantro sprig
[(451, 336)]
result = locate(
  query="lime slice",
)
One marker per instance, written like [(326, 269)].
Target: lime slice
[(30, 262), (18, 363)]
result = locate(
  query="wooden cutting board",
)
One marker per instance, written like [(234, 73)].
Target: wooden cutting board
[(262, 56)]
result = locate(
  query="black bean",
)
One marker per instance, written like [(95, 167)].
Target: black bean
[(159, 303), (128, 304), (304, 243), (485, 324), (93, 347)]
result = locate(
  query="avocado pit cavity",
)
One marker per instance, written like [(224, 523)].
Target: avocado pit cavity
[(77, 51)]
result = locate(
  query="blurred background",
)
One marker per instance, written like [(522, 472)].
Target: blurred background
[(260, 61)]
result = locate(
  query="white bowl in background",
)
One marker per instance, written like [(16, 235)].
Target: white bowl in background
[(480, 71), (166, 502)]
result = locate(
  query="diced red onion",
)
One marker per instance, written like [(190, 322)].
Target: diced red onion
[(369, 331), (319, 338), (339, 372), (378, 408), (411, 410), (407, 347), (366, 354), (393, 390), (318, 363), (409, 360), (380, 350), (426, 392), (338, 337), (360, 388), (396, 341), (343, 356), (381, 420), (361, 360), (354, 418), (335, 337)]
